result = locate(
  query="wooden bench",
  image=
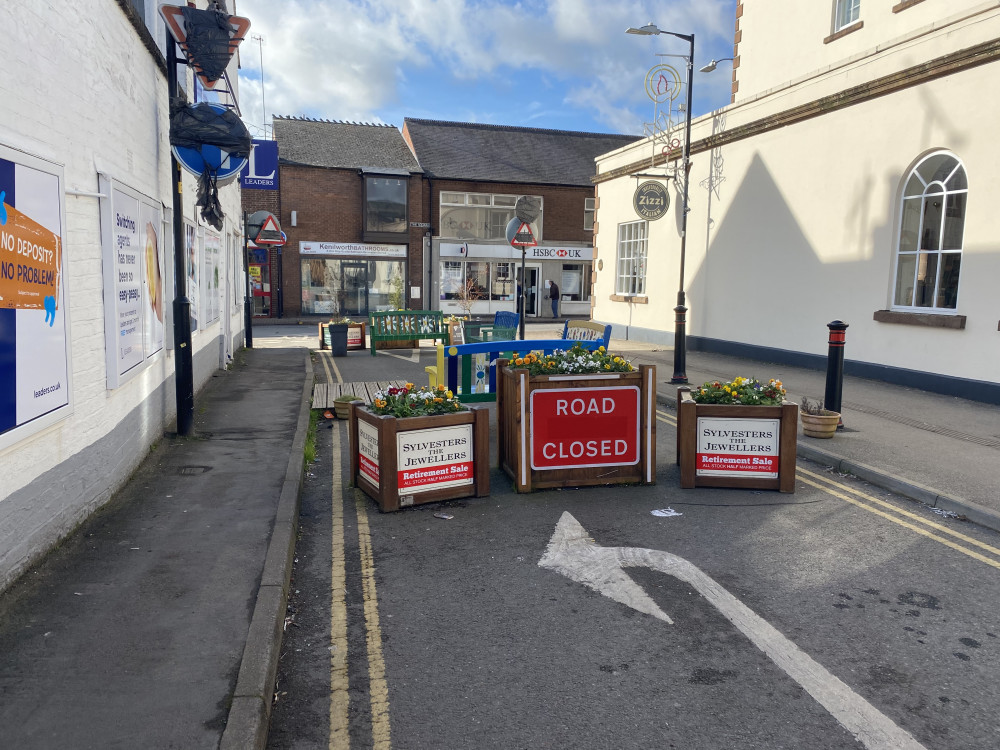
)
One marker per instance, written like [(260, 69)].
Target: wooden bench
[(406, 325)]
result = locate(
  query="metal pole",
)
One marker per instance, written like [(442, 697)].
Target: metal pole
[(680, 312), (247, 297), (520, 303), (183, 359)]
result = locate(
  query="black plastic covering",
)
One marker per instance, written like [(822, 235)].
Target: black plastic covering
[(208, 33), (193, 126)]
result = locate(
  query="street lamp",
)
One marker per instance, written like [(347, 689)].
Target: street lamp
[(680, 312), (711, 66)]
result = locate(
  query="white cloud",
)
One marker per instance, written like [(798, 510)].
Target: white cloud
[(362, 60)]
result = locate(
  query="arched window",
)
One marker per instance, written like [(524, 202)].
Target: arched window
[(930, 234)]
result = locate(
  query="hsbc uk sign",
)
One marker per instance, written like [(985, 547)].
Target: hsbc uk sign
[(561, 253)]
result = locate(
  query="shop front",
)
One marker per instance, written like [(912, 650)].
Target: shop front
[(481, 279), (259, 268), (352, 278)]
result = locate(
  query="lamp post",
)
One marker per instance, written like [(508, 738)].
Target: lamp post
[(680, 312), (711, 66)]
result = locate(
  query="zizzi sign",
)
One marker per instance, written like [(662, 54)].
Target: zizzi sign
[(651, 200), (433, 459), (738, 447), (581, 427)]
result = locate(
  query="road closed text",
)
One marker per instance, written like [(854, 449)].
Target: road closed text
[(584, 427)]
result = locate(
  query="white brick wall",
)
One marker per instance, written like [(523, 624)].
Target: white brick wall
[(80, 88)]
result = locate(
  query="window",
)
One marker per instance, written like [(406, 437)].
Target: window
[(480, 216), (589, 208), (931, 229), (385, 204), (848, 12), (630, 272), (575, 284), (483, 280)]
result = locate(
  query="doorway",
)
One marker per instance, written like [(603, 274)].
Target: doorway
[(531, 300), (354, 288)]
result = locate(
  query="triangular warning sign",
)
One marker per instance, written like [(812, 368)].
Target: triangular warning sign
[(174, 18), (270, 232), (523, 236)]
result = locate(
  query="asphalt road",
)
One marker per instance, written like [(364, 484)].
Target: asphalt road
[(835, 617)]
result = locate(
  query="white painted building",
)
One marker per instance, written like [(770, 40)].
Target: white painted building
[(853, 177), (87, 262)]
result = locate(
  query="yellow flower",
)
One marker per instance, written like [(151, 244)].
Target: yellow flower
[(607, 367), (409, 386), (449, 394), (440, 387), (601, 349), (519, 361), (438, 400)]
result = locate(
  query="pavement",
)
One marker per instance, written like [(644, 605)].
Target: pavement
[(184, 574)]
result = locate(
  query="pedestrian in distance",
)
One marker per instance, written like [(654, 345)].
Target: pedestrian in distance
[(554, 297)]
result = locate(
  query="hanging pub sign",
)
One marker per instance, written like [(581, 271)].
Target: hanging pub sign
[(651, 200)]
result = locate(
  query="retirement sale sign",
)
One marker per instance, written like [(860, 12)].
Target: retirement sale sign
[(34, 371), (738, 447)]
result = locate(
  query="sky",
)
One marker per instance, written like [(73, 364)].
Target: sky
[(556, 64)]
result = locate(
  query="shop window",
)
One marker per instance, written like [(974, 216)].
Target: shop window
[(575, 283), (847, 12), (351, 286), (385, 204), (480, 216), (483, 280), (502, 287), (931, 231), (630, 268), (589, 209)]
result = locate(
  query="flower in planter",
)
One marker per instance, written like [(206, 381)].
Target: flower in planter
[(575, 361), (410, 401), (341, 321), (743, 391)]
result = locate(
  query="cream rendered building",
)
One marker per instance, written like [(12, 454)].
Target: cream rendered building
[(853, 177)]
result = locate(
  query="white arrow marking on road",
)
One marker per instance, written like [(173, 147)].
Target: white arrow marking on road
[(572, 553)]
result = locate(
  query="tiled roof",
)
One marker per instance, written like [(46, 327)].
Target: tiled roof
[(344, 145), (499, 153)]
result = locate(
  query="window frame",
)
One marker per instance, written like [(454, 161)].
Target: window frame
[(846, 13), (496, 211), (954, 205), (631, 256), (387, 235), (589, 213)]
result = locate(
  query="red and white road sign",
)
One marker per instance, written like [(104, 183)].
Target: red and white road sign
[(580, 427), (523, 236)]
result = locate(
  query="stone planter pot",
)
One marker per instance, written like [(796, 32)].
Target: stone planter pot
[(403, 462), (750, 447), (822, 425), (576, 430)]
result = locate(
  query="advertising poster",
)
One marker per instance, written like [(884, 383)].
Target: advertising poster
[(191, 251), (738, 447), (151, 222), (433, 459), (34, 362), (126, 285), (211, 280)]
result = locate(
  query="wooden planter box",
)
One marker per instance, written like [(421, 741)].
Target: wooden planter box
[(749, 447), (576, 430), (355, 336), (394, 462)]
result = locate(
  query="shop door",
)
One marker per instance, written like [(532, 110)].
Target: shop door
[(531, 291), (354, 289), (260, 282)]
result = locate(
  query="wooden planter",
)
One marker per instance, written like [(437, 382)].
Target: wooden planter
[(397, 463), (356, 336), (750, 447), (576, 430)]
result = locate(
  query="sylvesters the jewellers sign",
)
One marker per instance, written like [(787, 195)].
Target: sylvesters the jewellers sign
[(435, 458), (738, 447)]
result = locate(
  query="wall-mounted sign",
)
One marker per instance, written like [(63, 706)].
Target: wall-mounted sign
[(738, 447), (134, 293), (580, 427), (651, 200), (357, 249), (261, 170), (540, 252), (34, 357)]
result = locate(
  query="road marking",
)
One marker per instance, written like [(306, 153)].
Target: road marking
[(339, 696), (571, 553), (377, 688), (838, 489), (414, 355)]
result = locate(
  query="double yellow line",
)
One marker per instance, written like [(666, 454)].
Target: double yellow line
[(914, 522)]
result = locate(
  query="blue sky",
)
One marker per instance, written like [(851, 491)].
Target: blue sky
[(560, 64)]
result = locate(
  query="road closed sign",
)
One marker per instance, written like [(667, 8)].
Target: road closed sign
[(583, 427)]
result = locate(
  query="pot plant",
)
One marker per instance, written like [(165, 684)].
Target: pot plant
[(342, 405), (336, 335), (411, 446), (576, 418), (738, 433), (818, 422)]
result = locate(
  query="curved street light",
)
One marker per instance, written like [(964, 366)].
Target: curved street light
[(680, 312), (711, 66)]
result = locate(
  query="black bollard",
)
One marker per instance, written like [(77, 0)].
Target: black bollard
[(835, 368)]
